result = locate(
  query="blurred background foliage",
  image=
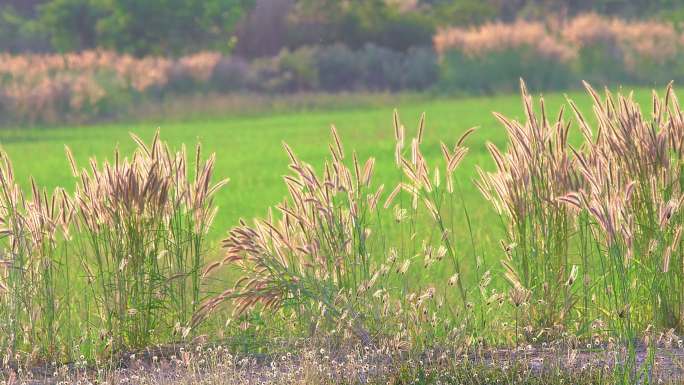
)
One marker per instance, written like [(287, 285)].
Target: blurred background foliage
[(255, 28), (89, 59)]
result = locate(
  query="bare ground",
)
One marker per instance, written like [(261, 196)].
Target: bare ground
[(217, 365)]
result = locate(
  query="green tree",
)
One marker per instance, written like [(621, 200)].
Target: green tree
[(19, 30), (356, 23), (170, 26), (463, 12), (72, 24)]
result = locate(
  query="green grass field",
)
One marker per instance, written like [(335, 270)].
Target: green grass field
[(249, 151), (249, 148)]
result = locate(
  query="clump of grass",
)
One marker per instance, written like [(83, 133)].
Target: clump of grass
[(117, 265), (327, 256), (142, 224), (446, 307), (426, 188), (534, 171), (615, 201), (32, 275), (633, 189), (316, 258)]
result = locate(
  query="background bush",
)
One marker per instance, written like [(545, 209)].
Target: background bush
[(382, 68), (298, 69), (230, 74), (501, 71), (91, 85), (339, 68), (605, 51), (420, 69)]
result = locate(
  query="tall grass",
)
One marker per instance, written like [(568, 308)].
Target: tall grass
[(331, 257), (315, 259), (615, 200), (593, 245), (593, 234), (33, 277), (633, 178), (144, 222), (530, 176), (115, 265)]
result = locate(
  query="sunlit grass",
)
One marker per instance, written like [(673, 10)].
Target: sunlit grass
[(328, 266)]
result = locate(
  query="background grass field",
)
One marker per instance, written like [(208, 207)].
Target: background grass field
[(249, 149)]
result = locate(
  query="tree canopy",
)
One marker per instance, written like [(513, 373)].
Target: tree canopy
[(264, 27), (169, 27)]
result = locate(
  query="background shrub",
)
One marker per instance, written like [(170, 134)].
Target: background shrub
[(230, 74), (382, 67), (298, 69), (266, 75), (501, 71), (181, 80), (91, 85), (420, 69), (494, 56), (338, 68)]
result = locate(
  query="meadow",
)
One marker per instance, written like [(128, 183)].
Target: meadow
[(443, 270), (250, 152)]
